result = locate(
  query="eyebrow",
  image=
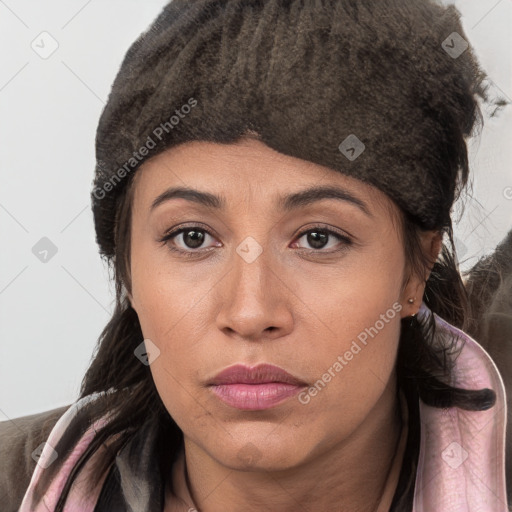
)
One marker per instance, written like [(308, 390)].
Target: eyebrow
[(285, 203)]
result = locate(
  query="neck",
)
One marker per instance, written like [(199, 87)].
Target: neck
[(351, 476)]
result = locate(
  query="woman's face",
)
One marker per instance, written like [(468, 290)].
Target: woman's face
[(260, 279)]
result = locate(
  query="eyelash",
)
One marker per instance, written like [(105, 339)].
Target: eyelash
[(194, 253)]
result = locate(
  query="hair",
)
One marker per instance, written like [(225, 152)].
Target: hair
[(422, 368)]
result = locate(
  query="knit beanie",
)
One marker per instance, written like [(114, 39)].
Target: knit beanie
[(381, 90)]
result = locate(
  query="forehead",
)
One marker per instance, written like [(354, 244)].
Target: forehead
[(248, 167)]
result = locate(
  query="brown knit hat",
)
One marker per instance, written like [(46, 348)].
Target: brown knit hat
[(381, 90)]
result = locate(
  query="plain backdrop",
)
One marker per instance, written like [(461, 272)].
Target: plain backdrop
[(52, 312)]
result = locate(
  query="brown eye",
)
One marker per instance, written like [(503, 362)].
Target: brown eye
[(318, 238), (192, 237)]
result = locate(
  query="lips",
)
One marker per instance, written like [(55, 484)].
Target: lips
[(251, 389), (261, 374)]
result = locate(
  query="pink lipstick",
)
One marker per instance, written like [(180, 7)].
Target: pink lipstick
[(257, 388)]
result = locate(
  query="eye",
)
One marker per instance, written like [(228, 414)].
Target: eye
[(318, 238), (187, 240)]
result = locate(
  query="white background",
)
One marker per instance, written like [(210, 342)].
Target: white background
[(52, 313)]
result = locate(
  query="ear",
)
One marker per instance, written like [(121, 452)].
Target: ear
[(432, 243)]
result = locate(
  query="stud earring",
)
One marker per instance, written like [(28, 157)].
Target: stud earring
[(411, 301)]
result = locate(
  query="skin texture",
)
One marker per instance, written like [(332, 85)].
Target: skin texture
[(298, 305)]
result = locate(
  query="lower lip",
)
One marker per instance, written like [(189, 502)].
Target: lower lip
[(254, 397)]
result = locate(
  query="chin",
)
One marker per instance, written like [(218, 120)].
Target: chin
[(259, 454)]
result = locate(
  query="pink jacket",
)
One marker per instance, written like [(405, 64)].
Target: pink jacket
[(461, 464)]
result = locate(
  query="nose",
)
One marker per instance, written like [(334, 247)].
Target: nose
[(255, 301)]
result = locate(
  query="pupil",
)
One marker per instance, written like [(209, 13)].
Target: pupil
[(313, 241), (197, 239)]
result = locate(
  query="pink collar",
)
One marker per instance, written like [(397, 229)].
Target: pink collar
[(461, 465)]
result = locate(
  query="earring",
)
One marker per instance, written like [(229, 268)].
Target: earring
[(411, 301)]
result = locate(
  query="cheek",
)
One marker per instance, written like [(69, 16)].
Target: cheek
[(170, 316), (353, 367), (170, 304), (166, 319), (353, 316), (162, 292), (354, 352), (343, 300)]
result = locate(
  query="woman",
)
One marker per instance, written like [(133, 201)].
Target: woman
[(273, 191)]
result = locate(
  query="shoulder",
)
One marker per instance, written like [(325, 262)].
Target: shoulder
[(19, 437)]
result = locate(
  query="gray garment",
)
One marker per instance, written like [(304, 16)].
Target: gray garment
[(18, 439)]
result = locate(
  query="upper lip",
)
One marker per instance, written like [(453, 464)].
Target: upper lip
[(241, 374)]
